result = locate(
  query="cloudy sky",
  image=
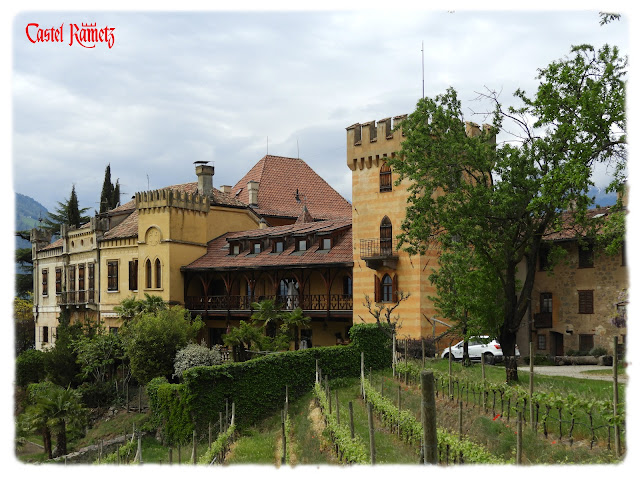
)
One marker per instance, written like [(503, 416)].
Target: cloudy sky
[(179, 87)]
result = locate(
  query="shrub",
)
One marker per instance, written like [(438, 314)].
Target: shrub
[(30, 367), (258, 386), (194, 355), (97, 394), (598, 351)]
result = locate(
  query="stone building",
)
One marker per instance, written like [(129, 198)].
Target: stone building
[(580, 303)]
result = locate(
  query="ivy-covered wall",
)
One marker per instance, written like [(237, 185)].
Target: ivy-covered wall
[(258, 386)]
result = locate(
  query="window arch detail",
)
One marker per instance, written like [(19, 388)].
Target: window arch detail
[(148, 274), (386, 236), (158, 272)]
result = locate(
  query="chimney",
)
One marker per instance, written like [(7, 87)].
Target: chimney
[(263, 224), (225, 188), (252, 188), (205, 178), (472, 129)]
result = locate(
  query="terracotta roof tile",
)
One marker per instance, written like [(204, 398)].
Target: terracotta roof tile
[(279, 178), (56, 244), (126, 229), (217, 256), (569, 231)]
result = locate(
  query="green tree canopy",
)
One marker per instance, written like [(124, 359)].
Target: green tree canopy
[(500, 200), (67, 212), (151, 340), (110, 195)]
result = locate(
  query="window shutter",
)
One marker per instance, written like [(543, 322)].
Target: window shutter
[(394, 289), (376, 283)]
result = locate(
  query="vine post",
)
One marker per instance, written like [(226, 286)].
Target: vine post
[(428, 412), (519, 439), (372, 442), (362, 374), (460, 419), (616, 427), (193, 448), (484, 385), (422, 352), (450, 356), (337, 408), (393, 354), (283, 460), (531, 384), (351, 426)]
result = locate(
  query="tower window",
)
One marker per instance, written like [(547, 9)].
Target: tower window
[(385, 178)]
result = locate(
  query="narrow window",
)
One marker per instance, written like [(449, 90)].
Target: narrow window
[(133, 275), (72, 278), (45, 283), (256, 248), (585, 301), (326, 244), (385, 178), (585, 256), (542, 342), (112, 275), (158, 274), (387, 289), (347, 285), (278, 246), (585, 343), (91, 271), (58, 281), (45, 334), (543, 257), (81, 292), (148, 273), (546, 302), (235, 249), (386, 236), (302, 245)]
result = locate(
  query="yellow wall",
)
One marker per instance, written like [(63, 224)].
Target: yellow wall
[(369, 207)]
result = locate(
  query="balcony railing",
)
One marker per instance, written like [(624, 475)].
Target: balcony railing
[(377, 252), (79, 297), (543, 320), (287, 302)]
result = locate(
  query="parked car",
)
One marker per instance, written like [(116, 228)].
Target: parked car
[(478, 346)]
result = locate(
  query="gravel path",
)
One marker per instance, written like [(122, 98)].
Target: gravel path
[(573, 371)]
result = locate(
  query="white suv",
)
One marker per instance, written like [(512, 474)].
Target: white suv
[(478, 346)]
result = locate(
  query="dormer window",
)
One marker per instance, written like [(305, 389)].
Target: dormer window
[(256, 248), (325, 243), (302, 245), (234, 249), (278, 246)]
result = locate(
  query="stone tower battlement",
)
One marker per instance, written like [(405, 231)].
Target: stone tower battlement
[(369, 142), (172, 198)]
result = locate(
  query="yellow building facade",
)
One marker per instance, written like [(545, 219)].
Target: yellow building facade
[(381, 272)]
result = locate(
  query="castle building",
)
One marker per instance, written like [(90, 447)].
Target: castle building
[(139, 247)]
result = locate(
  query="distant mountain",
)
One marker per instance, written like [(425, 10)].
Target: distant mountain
[(29, 213)]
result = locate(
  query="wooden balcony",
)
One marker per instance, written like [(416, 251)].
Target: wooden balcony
[(378, 252), (321, 302), (77, 298), (543, 320)]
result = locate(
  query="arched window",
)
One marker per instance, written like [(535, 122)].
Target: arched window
[(385, 178), (148, 273), (158, 274), (387, 289), (386, 236)]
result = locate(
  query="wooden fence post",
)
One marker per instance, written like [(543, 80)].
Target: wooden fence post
[(372, 442), (226, 417), (531, 359), (519, 439), (139, 449), (221, 422), (194, 449), (484, 388), (362, 374), (351, 426), (428, 413), (337, 408), (616, 427), (460, 419), (399, 408), (393, 354), (406, 343), (317, 367), (450, 371), (422, 352), (283, 460)]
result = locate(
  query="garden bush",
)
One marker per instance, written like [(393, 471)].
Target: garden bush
[(99, 394), (258, 386), (30, 367)]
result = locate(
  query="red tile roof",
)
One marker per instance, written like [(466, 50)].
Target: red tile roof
[(569, 231), (280, 178), (126, 229), (217, 256), (51, 246)]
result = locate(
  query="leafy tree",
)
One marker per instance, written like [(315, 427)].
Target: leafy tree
[(194, 355), (241, 339), (110, 195), (61, 360), (53, 410), (151, 340), (131, 307), (24, 324), (501, 200), (97, 354), (24, 281), (67, 212)]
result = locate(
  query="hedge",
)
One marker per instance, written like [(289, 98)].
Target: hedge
[(258, 386), (30, 367)]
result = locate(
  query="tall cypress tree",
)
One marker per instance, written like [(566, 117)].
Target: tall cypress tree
[(116, 194), (106, 197), (74, 209)]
